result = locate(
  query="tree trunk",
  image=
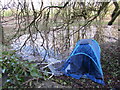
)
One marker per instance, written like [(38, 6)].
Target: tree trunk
[(1, 34)]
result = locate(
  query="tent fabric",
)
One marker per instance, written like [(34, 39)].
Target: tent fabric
[(84, 61)]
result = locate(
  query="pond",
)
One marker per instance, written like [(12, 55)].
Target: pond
[(34, 51)]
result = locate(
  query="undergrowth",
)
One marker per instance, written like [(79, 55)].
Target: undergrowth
[(18, 73)]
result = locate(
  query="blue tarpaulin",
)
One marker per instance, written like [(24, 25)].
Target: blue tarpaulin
[(84, 61)]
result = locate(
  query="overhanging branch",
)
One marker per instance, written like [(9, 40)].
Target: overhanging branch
[(115, 13)]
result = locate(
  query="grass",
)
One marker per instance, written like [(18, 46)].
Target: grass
[(6, 13)]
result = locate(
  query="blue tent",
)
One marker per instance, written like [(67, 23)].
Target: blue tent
[(84, 61)]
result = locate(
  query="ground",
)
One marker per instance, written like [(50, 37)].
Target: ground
[(50, 84)]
